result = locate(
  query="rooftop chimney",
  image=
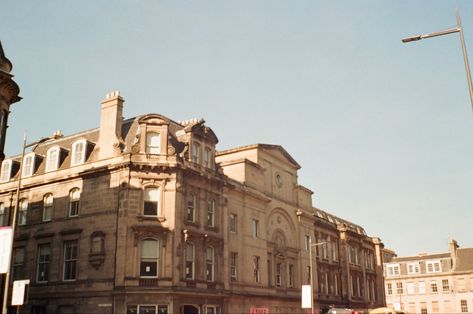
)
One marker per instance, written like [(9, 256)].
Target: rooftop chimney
[(453, 245), (110, 139)]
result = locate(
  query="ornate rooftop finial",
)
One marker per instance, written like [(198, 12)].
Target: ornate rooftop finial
[(5, 64)]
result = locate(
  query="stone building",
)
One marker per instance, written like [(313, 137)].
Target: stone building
[(143, 215), (431, 283)]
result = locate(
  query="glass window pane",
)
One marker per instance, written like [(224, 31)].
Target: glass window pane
[(150, 248)]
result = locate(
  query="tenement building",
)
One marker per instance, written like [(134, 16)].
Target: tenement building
[(431, 283), (143, 215)]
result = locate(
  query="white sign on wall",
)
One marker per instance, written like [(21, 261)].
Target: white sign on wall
[(6, 238), (306, 296), (18, 294)]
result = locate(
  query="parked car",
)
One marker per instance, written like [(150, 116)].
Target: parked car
[(386, 310), (336, 310)]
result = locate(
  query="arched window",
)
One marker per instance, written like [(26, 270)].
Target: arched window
[(74, 202), (22, 211), (153, 143), (209, 264), (151, 201), (52, 159), (28, 165), (149, 262), (191, 202), (190, 260), (78, 152), (47, 207)]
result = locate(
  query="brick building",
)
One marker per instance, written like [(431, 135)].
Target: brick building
[(143, 215)]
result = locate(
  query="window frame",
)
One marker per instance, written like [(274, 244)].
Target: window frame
[(52, 162), (146, 194), (189, 267), (150, 259), (78, 157), (47, 206), (196, 152), (191, 206), (3, 214), (233, 266), (232, 223), (393, 270), (71, 260), (27, 168), (6, 171), (153, 149), (433, 264), (210, 264), (18, 266), (211, 213), (256, 269), (254, 228), (413, 268), (23, 212), (74, 203), (42, 264), (207, 157)]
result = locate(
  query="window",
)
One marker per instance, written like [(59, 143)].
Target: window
[(335, 284), (291, 275), (413, 268), (447, 306), (445, 285), (399, 288), (410, 288), (208, 157), (52, 159), (70, 260), (47, 207), (334, 251), (392, 270), (78, 152), (433, 286), (149, 258), (232, 223), (23, 210), (254, 228), (209, 264), (389, 288), (6, 170), (147, 309), (151, 202), (2, 215), (421, 287), (211, 309), (191, 201), (433, 266), (74, 202), (44, 257), (435, 306), (325, 250), (278, 274), (461, 284), (196, 152), (307, 242), (189, 261), (464, 306), (211, 213), (233, 266), (423, 307), (18, 263), (153, 143), (256, 269), (28, 165)]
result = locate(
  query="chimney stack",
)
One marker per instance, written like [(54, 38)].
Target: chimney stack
[(111, 118), (453, 245)]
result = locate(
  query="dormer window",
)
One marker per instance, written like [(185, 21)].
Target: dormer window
[(6, 170), (52, 159), (28, 165), (196, 152), (78, 152), (153, 143)]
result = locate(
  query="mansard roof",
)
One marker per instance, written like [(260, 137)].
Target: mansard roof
[(337, 221), (464, 260), (421, 257)]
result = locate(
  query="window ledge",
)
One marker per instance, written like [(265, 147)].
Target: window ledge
[(151, 218)]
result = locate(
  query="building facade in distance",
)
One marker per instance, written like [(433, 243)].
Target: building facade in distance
[(431, 283), (144, 216)]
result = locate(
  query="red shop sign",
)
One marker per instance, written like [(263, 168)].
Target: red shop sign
[(259, 310)]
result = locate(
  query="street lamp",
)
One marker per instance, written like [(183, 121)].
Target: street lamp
[(15, 209), (457, 29), (311, 273)]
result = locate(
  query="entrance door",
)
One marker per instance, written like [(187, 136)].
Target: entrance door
[(190, 309)]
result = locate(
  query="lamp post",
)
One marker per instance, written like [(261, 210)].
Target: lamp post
[(15, 212), (457, 29), (311, 272)]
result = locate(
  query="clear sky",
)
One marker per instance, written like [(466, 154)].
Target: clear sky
[(383, 130)]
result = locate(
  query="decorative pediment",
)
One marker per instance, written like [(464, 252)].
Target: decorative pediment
[(154, 119)]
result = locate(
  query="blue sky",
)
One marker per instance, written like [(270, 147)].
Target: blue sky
[(383, 130)]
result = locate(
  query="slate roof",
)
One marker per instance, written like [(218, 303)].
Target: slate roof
[(464, 260)]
